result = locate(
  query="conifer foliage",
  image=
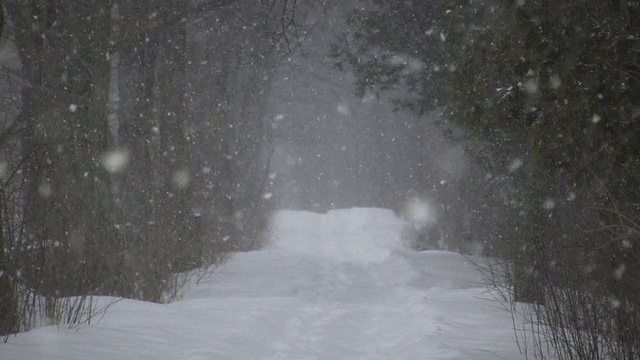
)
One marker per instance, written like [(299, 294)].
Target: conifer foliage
[(548, 96)]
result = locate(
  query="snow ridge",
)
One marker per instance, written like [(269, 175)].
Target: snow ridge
[(338, 285), (357, 235)]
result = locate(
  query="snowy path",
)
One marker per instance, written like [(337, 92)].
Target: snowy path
[(333, 286)]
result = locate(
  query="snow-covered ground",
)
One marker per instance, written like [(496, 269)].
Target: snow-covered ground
[(339, 285)]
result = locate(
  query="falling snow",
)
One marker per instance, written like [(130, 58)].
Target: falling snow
[(181, 179), (115, 161), (515, 165), (549, 204)]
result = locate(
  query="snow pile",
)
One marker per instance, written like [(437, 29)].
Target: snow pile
[(333, 286), (357, 235)]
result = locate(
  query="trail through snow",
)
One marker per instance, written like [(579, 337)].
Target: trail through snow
[(339, 285)]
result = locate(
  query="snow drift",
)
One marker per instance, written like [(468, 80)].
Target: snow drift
[(339, 285)]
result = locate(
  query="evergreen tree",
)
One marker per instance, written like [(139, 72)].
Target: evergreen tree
[(547, 94)]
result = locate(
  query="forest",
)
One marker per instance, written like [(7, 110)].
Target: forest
[(139, 141), (110, 161), (546, 96)]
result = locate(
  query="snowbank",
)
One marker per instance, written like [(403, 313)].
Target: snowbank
[(331, 286)]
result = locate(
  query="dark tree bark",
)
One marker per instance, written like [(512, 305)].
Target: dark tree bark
[(1, 18), (8, 297), (8, 300), (176, 192), (64, 49)]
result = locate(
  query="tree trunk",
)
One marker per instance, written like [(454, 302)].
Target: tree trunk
[(175, 193), (8, 298), (64, 49)]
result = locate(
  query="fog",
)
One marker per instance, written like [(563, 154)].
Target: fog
[(336, 149)]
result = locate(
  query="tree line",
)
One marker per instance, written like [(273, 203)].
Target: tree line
[(544, 97), (135, 148)]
